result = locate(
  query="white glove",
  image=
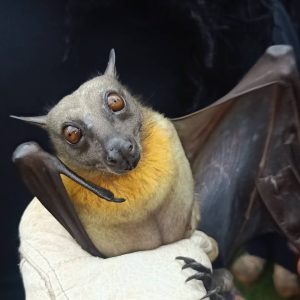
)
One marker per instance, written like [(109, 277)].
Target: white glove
[(54, 266)]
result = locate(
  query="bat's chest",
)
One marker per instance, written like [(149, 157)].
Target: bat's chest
[(144, 189), (124, 238), (130, 232), (143, 194), (158, 197), (138, 223)]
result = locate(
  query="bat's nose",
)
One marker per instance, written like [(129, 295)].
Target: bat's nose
[(122, 154)]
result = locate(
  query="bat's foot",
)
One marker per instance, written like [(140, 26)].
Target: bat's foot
[(218, 283)]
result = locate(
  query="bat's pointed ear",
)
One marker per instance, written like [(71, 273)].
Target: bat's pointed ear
[(39, 120), (111, 66)]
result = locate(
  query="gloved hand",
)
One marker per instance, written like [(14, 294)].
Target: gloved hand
[(54, 266)]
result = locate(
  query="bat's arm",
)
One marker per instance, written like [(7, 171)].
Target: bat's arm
[(41, 174)]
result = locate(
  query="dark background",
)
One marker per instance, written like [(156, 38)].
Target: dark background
[(179, 55)]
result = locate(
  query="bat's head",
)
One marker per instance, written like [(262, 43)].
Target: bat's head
[(98, 126)]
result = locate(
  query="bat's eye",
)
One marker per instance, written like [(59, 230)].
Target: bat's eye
[(72, 134), (115, 102)]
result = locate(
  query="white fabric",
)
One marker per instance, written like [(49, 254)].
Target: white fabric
[(54, 266)]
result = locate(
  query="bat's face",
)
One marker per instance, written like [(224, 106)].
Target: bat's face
[(97, 127)]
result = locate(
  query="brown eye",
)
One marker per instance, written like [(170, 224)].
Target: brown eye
[(72, 134), (115, 102)]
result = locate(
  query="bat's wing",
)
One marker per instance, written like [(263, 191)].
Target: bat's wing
[(41, 173), (244, 152)]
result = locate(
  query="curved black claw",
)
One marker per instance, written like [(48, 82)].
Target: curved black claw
[(205, 278), (197, 267), (187, 260), (218, 284)]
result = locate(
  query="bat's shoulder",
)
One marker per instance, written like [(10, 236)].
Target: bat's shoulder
[(154, 119)]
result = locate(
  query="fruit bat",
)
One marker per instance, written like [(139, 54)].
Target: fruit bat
[(108, 138), (243, 150)]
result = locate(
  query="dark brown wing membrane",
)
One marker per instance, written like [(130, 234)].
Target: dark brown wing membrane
[(241, 140), (281, 194), (41, 174)]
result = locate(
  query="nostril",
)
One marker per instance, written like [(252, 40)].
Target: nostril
[(130, 147)]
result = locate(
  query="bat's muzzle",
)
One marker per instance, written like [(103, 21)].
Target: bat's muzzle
[(122, 154)]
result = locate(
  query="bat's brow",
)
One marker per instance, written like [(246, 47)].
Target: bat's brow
[(79, 122)]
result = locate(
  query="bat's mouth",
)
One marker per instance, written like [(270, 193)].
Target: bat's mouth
[(125, 165), (122, 154)]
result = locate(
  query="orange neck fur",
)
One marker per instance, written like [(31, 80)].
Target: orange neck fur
[(143, 188)]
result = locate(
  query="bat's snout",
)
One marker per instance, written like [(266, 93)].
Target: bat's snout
[(122, 154)]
